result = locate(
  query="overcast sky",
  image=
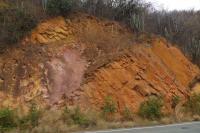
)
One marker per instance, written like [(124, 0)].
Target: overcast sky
[(176, 4)]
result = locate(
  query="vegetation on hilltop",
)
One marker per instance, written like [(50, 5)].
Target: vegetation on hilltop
[(19, 17)]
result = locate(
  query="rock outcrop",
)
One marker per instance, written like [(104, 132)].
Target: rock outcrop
[(158, 70), (82, 60)]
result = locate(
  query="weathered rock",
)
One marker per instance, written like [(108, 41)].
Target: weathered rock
[(84, 60), (155, 77)]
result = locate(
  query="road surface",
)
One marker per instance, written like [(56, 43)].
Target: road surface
[(193, 127)]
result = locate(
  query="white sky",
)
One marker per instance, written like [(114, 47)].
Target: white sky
[(176, 4)]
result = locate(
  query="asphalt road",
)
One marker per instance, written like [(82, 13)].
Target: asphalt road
[(193, 127)]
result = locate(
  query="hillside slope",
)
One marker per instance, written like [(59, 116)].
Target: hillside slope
[(156, 70), (82, 60)]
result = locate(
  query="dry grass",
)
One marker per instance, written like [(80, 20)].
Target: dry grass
[(52, 122)]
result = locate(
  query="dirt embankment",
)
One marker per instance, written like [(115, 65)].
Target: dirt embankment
[(82, 60)]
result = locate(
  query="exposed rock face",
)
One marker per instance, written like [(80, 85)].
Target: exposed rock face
[(40, 75), (64, 76), (82, 60), (140, 73), (54, 31)]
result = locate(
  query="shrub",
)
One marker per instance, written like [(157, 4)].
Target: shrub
[(79, 118), (32, 119), (151, 109), (175, 101), (59, 7), (109, 105), (76, 117), (127, 114), (34, 115), (109, 108), (193, 104), (67, 116), (7, 119)]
